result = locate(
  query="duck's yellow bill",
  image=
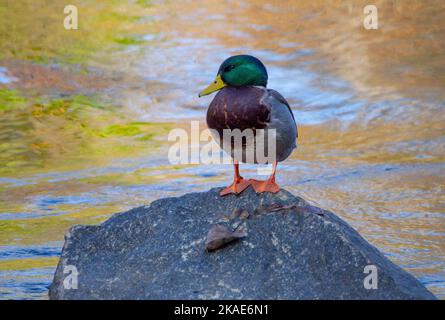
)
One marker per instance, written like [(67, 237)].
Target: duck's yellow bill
[(216, 85)]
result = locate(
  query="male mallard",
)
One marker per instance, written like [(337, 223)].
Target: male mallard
[(244, 102)]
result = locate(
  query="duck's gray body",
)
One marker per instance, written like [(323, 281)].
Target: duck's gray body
[(253, 108)]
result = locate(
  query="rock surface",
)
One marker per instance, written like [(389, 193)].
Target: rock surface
[(291, 250)]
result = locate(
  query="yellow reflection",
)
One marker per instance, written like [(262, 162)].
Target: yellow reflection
[(25, 264)]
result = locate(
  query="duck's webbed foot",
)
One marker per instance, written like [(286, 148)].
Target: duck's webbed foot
[(265, 186), (239, 183), (238, 186)]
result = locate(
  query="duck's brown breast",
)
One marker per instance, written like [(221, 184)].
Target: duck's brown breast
[(238, 108)]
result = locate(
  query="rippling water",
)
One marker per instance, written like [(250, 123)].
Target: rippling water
[(84, 128)]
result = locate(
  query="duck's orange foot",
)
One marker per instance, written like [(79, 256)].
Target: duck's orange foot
[(236, 187), (264, 186)]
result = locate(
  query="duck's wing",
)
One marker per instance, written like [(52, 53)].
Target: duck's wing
[(277, 96)]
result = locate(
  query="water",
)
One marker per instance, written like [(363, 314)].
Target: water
[(84, 123)]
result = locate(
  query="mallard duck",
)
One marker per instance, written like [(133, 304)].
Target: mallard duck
[(245, 102)]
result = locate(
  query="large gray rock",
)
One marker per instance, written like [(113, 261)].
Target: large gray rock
[(292, 250)]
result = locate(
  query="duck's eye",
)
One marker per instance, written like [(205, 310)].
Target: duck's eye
[(228, 68)]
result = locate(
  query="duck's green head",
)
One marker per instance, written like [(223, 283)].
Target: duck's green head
[(238, 71)]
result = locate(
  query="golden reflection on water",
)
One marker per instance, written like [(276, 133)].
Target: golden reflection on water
[(85, 138), (405, 54)]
